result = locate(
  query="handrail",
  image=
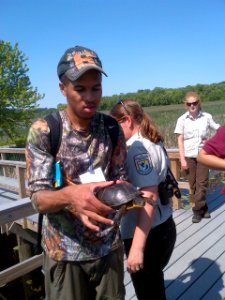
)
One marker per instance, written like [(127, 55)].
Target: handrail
[(12, 150), (16, 210), (20, 166)]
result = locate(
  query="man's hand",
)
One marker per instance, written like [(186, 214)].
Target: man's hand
[(84, 203), (79, 199)]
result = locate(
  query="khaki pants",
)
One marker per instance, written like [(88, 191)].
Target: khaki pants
[(198, 175), (100, 279)]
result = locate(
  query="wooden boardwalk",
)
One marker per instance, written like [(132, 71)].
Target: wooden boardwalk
[(197, 267)]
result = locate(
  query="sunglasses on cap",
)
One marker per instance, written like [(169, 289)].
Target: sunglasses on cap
[(192, 103), (120, 101)]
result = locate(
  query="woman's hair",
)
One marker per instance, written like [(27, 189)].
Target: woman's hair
[(135, 111), (193, 94)]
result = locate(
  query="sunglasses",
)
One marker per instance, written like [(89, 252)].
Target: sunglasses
[(192, 103), (124, 106)]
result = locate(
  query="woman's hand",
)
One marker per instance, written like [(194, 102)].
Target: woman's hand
[(135, 261), (184, 164)]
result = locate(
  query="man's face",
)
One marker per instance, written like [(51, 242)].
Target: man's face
[(84, 94)]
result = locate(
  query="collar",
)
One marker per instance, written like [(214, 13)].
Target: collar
[(133, 138), (188, 115)]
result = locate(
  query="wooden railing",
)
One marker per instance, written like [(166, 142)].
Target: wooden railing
[(20, 167)]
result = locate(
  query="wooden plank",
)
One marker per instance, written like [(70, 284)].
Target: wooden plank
[(20, 269), (130, 293), (3, 156), (188, 242), (12, 150), (16, 210), (196, 263), (9, 183), (20, 173), (18, 184), (28, 235), (217, 291), (31, 222), (183, 254), (202, 285), (185, 228), (13, 163)]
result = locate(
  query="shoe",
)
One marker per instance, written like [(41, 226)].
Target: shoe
[(206, 215), (196, 218)]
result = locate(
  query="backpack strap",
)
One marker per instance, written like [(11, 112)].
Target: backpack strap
[(113, 129), (55, 125), (38, 248)]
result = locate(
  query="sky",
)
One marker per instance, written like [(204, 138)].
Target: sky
[(142, 44)]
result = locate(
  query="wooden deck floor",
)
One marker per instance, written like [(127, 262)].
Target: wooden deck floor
[(197, 267)]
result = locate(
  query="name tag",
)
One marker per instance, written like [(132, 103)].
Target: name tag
[(94, 175)]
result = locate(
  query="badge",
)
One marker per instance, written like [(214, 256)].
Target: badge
[(143, 163), (95, 175)]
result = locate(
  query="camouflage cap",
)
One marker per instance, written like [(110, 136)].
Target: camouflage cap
[(76, 61)]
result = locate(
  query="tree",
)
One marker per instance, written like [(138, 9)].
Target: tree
[(18, 99)]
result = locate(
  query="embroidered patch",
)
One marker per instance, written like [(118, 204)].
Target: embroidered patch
[(143, 163)]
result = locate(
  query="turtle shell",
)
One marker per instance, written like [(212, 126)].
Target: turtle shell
[(121, 194)]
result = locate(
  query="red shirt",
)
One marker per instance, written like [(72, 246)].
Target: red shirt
[(216, 146)]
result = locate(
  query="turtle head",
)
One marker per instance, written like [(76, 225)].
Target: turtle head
[(138, 201)]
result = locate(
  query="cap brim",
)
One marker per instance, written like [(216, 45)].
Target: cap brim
[(73, 75)]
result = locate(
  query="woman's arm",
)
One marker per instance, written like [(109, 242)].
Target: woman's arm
[(180, 140), (135, 259), (210, 160)]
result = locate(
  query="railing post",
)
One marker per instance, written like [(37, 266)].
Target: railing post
[(20, 173), (4, 169), (174, 163), (175, 168)]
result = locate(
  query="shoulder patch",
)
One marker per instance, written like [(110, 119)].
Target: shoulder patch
[(143, 163)]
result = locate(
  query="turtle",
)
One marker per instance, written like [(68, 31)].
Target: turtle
[(121, 195)]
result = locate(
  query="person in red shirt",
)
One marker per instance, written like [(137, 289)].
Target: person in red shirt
[(213, 152)]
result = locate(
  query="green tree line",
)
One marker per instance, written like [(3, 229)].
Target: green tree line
[(167, 96)]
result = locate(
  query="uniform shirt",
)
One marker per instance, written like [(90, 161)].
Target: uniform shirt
[(64, 236), (195, 131), (216, 146), (146, 165)]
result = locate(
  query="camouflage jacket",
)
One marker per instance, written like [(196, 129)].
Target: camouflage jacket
[(65, 237)]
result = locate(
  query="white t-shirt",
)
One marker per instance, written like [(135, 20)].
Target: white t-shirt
[(146, 164), (195, 131)]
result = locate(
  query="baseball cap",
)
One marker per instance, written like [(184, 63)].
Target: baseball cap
[(76, 61)]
